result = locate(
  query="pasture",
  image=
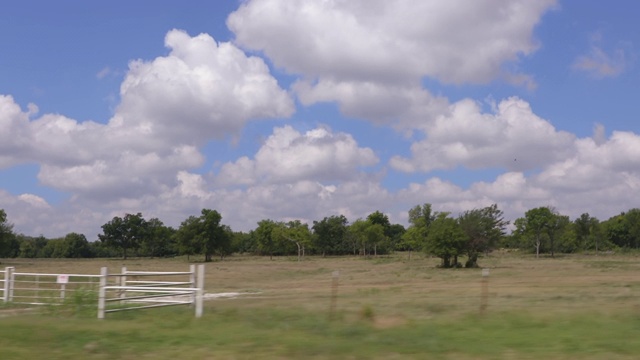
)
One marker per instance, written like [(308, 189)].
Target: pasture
[(579, 306)]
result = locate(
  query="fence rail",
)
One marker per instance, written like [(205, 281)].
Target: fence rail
[(125, 289), (43, 288), (130, 293)]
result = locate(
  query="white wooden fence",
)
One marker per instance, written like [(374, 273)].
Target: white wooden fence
[(6, 283), (127, 290), (143, 289), (43, 289)]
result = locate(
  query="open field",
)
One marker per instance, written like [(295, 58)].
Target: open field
[(584, 307)]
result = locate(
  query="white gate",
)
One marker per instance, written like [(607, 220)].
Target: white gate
[(132, 290), (43, 289)]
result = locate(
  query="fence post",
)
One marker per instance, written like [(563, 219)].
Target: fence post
[(200, 291), (123, 282), (102, 292), (8, 271), (485, 291), (335, 278), (12, 283), (192, 280)]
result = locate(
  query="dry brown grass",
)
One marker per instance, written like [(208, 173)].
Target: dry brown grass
[(395, 289)]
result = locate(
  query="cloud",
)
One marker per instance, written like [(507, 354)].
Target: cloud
[(288, 155), (513, 138), (401, 106), (201, 90), (599, 64), (170, 107), (390, 42)]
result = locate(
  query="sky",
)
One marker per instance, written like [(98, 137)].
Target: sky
[(284, 110)]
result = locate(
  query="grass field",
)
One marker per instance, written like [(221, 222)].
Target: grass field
[(585, 307)]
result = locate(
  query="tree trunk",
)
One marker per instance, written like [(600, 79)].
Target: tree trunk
[(472, 262)]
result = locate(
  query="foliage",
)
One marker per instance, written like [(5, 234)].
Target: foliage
[(293, 232), (204, 235), (159, 241), (330, 235), (368, 237), (125, 233), (446, 240), (484, 229), (263, 235), (9, 247)]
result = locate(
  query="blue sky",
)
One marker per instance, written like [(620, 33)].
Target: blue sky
[(301, 110)]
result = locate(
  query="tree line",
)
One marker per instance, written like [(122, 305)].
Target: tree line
[(467, 236)]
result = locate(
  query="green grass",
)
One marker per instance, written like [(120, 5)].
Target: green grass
[(562, 308), (173, 333)]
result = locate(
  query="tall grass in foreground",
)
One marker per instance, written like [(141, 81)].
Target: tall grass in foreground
[(570, 307), (173, 333)]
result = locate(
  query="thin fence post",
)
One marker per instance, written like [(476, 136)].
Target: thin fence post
[(8, 271), (192, 280), (12, 281), (200, 291), (123, 282), (484, 291), (102, 292), (335, 276), (37, 288)]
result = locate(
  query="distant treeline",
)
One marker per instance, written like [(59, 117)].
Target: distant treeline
[(467, 235)]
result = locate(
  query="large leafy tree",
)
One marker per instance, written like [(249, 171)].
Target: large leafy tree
[(214, 236), (186, 237), (484, 228), (330, 235), (263, 235), (125, 233), (446, 240), (160, 240), (204, 235), (9, 246), (534, 226), (544, 228), (367, 236), (420, 219), (293, 232), (76, 246), (587, 231)]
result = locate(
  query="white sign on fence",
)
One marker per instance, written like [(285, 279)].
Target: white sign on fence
[(63, 279)]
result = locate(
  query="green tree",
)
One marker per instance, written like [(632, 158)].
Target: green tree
[(293, 232), (330, 235), (159, 241), (204, 235), (446, 240), (75, 245), (484, 229), (242, 242), (9, 245), (264, 237), (186, 236), (367, 235), (420, 219), (534, 226), (126, 233), (53, 249)]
